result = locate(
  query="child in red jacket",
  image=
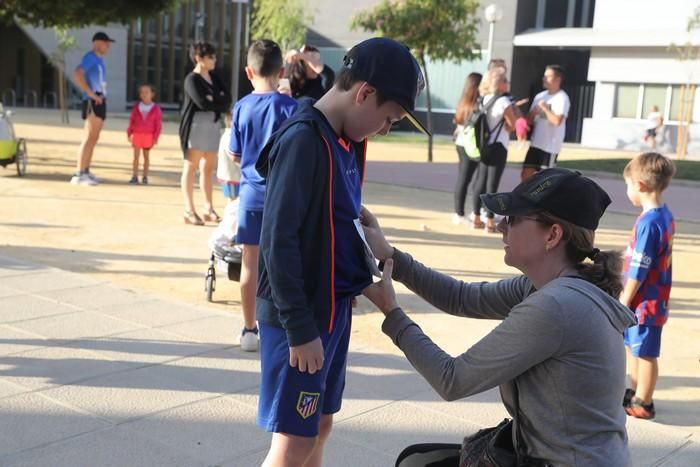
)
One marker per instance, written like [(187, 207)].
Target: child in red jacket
[(144, 129)]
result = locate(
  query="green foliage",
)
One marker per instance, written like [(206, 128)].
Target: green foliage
[(440, 29), (79, 13), (283, 21)]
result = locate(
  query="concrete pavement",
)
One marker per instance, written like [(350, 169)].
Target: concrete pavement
[(112, 357), (92, 374)]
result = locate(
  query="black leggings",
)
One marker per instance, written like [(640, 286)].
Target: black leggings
[(489, 176), (467, 167)]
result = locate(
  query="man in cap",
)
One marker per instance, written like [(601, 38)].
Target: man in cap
[(91, 78)]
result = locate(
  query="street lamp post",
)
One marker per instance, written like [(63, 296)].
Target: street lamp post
[(493, 14)]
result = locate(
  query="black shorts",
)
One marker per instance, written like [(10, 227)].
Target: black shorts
[(651, 132), (538, 159), (100, 110)]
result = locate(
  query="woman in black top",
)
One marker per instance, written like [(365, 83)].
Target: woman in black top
[(206, 98)]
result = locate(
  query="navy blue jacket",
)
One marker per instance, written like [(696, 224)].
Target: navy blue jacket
[(296, 282)]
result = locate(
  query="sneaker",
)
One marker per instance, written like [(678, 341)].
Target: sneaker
[(250, 340), (638, 409), (92, 177), (134, 181), (82, 180), (627, 398), (144, 180), (457, 219)]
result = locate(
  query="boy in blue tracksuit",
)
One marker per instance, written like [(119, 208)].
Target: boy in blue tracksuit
[(312, 260)]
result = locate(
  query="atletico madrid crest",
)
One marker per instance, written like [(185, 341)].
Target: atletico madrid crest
[(307, 404)]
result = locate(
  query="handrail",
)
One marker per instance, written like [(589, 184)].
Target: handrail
[(35, 99), (54, 99), (14, 97)]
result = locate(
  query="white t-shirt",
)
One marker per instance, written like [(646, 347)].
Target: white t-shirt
[(493, 118), (227, 170), (653, 120), (145, 108), (546, 136)]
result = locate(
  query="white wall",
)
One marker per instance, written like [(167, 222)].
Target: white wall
[(645, 65), (643, 14), (115, 61)]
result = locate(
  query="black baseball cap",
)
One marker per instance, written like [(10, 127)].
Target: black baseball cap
[(562, 192), (390, 67), (101, 36)]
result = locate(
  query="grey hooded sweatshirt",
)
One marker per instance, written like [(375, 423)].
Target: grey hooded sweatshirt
[(561, 344)]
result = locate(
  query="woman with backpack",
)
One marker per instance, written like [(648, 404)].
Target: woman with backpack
[(500, 121), (467, 166)]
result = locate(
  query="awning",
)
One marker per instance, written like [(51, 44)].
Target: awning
[(592, 37)]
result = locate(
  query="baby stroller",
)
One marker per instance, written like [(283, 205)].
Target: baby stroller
[(225, 254), (12, 150)]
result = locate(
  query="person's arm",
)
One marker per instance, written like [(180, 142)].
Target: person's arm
[(529, 335), (485, 300), (159, 124), (222, 99), (646, 244), (293, 184), (199, 94), (629, 291), (234, 146), (551, 116), (79, 77), (509, 116), (327, 77), (132, 121)]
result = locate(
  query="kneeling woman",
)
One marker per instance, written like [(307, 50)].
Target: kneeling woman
[(558, 352)]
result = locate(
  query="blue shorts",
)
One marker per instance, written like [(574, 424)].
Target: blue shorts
[(292, 402), (249, 227), (644, 341)]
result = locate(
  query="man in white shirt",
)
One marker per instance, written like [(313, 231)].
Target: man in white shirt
[(547, 118)]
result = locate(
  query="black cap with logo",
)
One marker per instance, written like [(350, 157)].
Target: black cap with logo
[(101, 36), (390, 67), (562, 192)]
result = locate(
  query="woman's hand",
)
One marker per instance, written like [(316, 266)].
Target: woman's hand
[(382, 293), (374, 235)]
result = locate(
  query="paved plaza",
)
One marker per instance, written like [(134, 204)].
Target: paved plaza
[(111, 356)]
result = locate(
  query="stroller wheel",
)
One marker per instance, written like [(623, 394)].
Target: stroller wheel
[(21, 157), (210, 283)]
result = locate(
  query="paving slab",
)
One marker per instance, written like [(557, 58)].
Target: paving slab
[(31, 420), (13, 340), (157, 313), (116, 447), (76, 325), (211, 430), (26, 307), (128, 395)]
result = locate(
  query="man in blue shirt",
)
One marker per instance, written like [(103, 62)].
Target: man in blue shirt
[(90, 77)]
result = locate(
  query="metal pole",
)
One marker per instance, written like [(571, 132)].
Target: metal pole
[(490, 49), (236, 63)]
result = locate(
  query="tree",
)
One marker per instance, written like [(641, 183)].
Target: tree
[(687, 53), (80, 13), (65, 42), (283, 21), (439, 29)]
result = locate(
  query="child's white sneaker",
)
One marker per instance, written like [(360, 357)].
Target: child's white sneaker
[(250, 342)]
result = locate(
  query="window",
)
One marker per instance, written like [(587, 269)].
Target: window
[(654, 94), (675, 106), (626, 99)]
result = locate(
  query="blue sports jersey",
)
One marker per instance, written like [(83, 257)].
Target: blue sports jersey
[(648, 260), (351, 272), (255, 118), (94, 68)]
